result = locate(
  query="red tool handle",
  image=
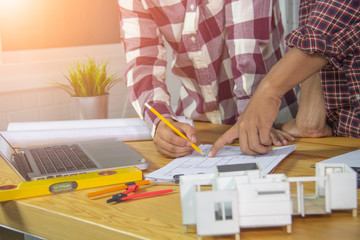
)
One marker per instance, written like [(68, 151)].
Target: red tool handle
[(147, 194), (131, 188)]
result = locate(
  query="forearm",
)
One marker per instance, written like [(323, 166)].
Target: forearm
[(294, 68), (310, 120), (311, 115)]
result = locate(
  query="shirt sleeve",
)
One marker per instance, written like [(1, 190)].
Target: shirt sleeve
[(255, 35), (332, 29), (144, 72)]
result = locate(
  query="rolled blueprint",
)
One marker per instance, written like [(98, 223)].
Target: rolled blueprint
[(25, 134)]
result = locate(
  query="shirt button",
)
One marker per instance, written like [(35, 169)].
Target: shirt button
[(193, 39), (192, 7)]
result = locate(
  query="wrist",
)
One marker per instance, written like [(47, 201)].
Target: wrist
[(268, 90)]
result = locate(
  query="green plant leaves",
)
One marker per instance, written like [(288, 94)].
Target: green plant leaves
[(87, 78)]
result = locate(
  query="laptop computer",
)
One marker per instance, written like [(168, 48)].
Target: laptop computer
[(56, 160)]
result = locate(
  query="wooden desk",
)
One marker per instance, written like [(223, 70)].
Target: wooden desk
[(72, 216)]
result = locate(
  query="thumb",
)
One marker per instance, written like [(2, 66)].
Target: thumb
[(189, 132), (228, 137)]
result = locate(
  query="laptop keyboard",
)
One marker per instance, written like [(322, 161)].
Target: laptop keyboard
[(61, 158)]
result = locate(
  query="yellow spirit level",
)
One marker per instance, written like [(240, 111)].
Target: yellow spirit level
[(69, 183)]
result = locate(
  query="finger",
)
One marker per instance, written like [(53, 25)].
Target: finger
[(276, 139), (174, 144), (244, 143), (287, 136), (281, 137), (168, 153), (169, 144), (258, 143), (166, 134), (229, 136), (264, 136), (187, 130)]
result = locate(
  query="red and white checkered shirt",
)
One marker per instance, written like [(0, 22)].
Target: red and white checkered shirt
[(221, 52), (332, 28)]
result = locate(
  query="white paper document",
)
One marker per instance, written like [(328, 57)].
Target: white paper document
[(228, 155), (352, 159)]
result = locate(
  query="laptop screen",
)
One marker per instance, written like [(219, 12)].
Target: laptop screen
[(5, 148)]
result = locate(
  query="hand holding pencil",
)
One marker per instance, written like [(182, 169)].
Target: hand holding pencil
[(179, 133)]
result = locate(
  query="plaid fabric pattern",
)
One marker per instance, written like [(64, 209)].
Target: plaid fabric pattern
[(222, 49), (332, 28)]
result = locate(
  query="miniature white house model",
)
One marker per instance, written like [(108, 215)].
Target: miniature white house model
[(237, 196)]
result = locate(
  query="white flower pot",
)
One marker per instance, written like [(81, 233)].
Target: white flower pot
[(95, 107)]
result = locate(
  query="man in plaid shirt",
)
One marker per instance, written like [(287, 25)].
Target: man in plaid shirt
[(325, 58), (221, 52)]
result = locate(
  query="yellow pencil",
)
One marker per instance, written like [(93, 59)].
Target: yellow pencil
[(173, 128)]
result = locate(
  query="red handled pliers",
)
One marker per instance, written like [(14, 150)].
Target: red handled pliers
[(133, 188)]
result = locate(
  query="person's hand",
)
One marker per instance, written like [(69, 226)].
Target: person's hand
[(295, 129), (254, 126), (171, 145), (310, 119), (278, 138)]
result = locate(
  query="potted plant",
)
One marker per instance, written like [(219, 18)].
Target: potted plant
[(89, 84)]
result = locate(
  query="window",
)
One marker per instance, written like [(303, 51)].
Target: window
[(333, 170), (223, 211)]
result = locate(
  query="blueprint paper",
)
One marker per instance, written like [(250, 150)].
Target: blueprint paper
[(352, 159), (197, 164)]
